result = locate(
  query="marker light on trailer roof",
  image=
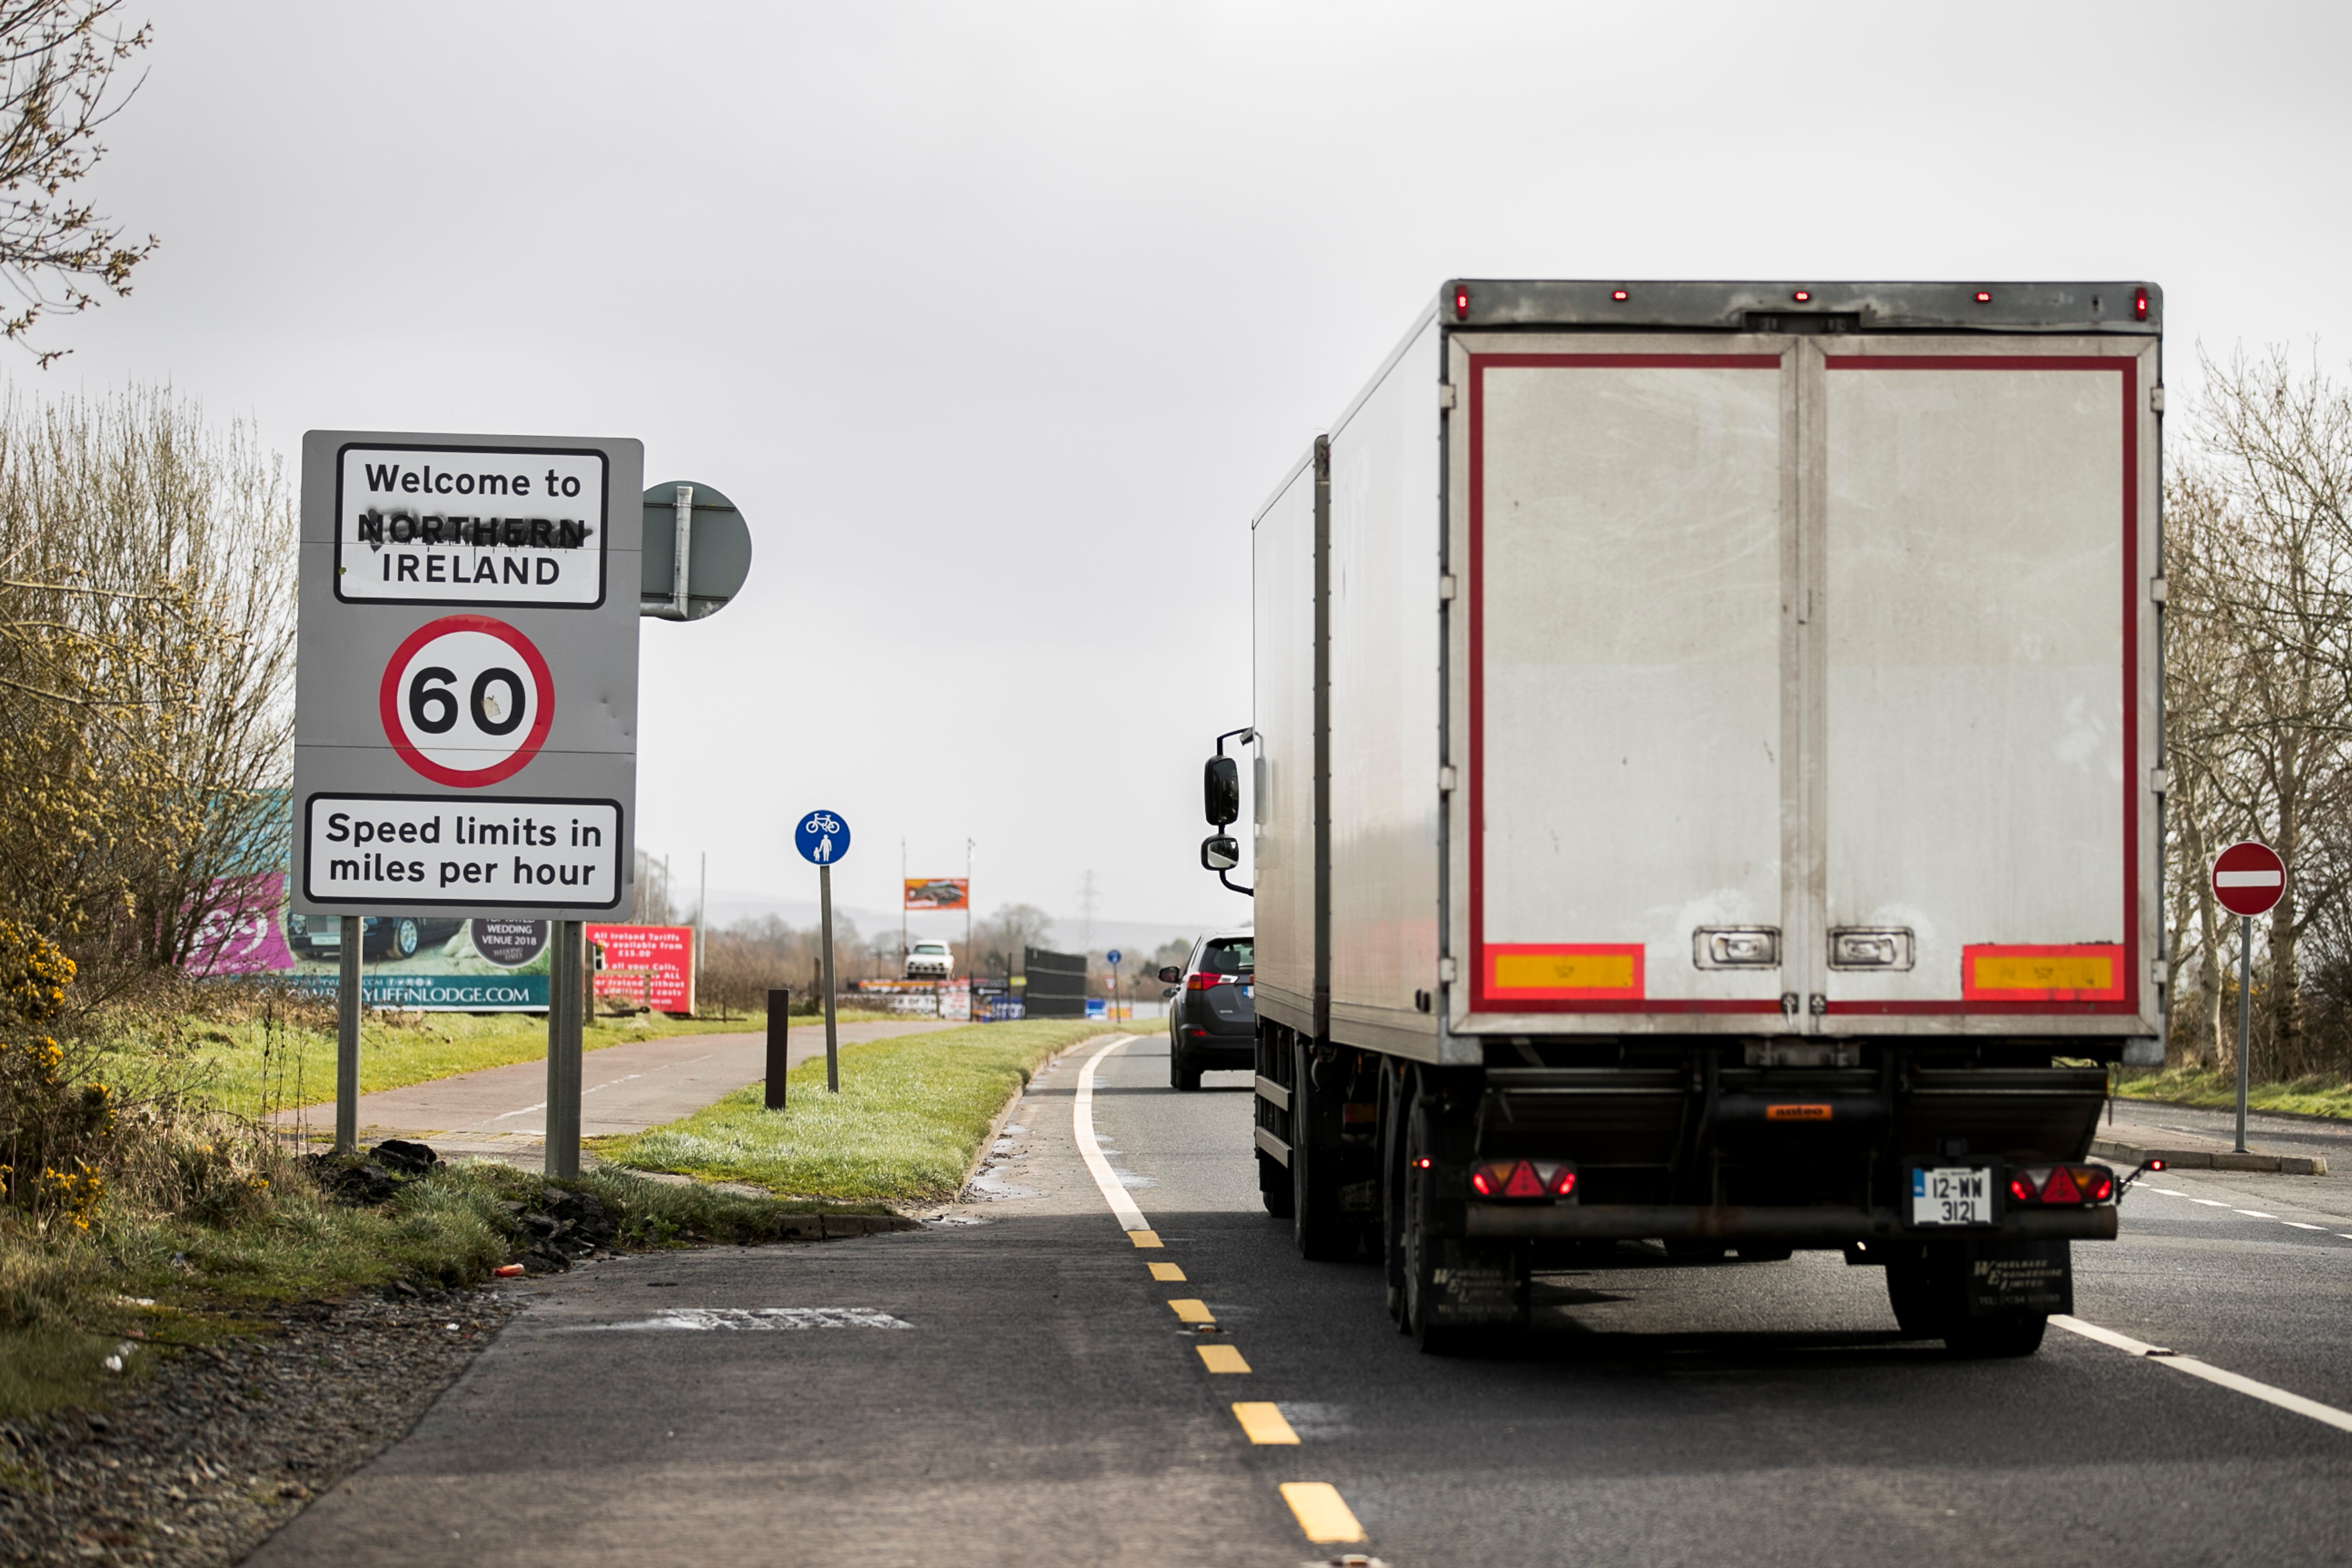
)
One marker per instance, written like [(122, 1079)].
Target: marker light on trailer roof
[(1802, 296), (2140, 304), (1461, 302), (1619, 293), (1982, 298)]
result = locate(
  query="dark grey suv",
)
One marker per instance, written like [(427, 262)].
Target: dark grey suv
[(1211, 1020)]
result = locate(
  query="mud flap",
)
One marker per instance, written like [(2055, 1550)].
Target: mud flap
[(2006, 1277), (1476, 1287)]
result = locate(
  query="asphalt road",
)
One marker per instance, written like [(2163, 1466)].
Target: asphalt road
[(1043, 1403)]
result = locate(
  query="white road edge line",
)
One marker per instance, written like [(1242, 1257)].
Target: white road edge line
[(2327, 1414), (1082, 1127)]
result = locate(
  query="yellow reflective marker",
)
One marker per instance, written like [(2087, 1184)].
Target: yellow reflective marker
[(1168, 1272), (1320, 1511), (1144, 1237), (1191, 1311), (1222, 1358), (1262, 1422)]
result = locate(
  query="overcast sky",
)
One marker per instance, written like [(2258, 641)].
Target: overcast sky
[(999, 322)]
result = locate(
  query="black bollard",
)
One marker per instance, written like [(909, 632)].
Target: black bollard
[(779, 1008)]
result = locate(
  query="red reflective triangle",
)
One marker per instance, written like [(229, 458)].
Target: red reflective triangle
[(1524, 1182), (2061, 1187)]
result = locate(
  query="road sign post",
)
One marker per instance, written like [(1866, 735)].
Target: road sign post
[(2249, 878), (822, 838), (466, 698), (1112, 958)]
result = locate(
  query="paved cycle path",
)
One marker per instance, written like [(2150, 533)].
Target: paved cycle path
[(623, 1088)]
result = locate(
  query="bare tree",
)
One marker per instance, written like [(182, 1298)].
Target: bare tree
[(2259, 662), (146, 655), (59, 58)]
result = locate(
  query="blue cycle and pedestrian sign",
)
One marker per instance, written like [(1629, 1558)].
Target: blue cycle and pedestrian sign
[(821, 837)]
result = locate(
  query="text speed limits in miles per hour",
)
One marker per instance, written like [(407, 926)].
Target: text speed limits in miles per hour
[(421, 850)]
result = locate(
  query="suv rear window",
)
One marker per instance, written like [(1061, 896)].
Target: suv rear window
[(1228, 955)]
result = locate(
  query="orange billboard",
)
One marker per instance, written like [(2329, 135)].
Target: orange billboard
[(939, 893)]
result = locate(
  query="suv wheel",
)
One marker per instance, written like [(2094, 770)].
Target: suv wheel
[(1182, 1078)]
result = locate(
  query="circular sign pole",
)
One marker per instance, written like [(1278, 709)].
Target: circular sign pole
[(2248, 879), (822, 838)]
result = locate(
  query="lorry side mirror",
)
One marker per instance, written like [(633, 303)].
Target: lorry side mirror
[(1219, 852), (1221, 792), (1170, 974)]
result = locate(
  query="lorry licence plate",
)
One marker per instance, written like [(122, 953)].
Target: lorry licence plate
[(1951, 1195)]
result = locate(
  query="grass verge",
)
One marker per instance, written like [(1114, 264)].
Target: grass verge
[(909, 1117), (171, 1279), (2324, 1094), (248, 1067)]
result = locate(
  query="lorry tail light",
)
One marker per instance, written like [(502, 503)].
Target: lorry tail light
[(1461, 302), (2062, 1187), (2140, 304), (1522, 1178), (1423, 1164)]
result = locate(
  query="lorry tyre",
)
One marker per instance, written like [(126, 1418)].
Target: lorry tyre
[(1392, 1199), (1986, 1338), (1691, 1249), (1273, 1184), (1910, 1291), (1315, 1225), (1751, 1252)]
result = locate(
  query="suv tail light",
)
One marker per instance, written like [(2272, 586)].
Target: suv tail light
[(1519, 1180), (1203, 982), (2062, 1187)]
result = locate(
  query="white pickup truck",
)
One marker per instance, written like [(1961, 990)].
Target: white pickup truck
[(930, 961)]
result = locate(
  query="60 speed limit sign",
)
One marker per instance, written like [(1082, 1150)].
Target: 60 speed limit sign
[(466, 675), (467, 700)]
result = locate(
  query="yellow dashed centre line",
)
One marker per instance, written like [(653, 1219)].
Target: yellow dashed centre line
[(1262, 1422), (1222, 1358), (1144, 1237), (1167, 1273), (1191, 1311), (1321, 1512)]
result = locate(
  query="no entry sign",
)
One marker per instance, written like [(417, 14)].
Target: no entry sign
[(466, 678), (2248, 878)]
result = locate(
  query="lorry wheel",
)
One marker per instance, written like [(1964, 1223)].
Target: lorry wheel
[(1690, 1250), (1316, 1224), (1910, 1291), (1274, 1186), (1754, 1254), (1986, 1338)]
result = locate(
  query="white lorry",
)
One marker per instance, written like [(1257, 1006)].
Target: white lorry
[(1707, 787)]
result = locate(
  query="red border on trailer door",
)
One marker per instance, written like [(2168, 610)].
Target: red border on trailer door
[(1483, 998), (2126, 366)]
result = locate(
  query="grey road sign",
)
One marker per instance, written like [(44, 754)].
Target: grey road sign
[(467, 674), (717, 554)]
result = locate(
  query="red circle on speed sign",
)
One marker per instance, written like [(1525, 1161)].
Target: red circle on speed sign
[(467, 700), (2248, 878)]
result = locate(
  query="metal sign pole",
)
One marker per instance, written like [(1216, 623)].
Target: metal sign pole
[(347, 1042), (567, 983), (831, 1040), (2246, 1015)]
